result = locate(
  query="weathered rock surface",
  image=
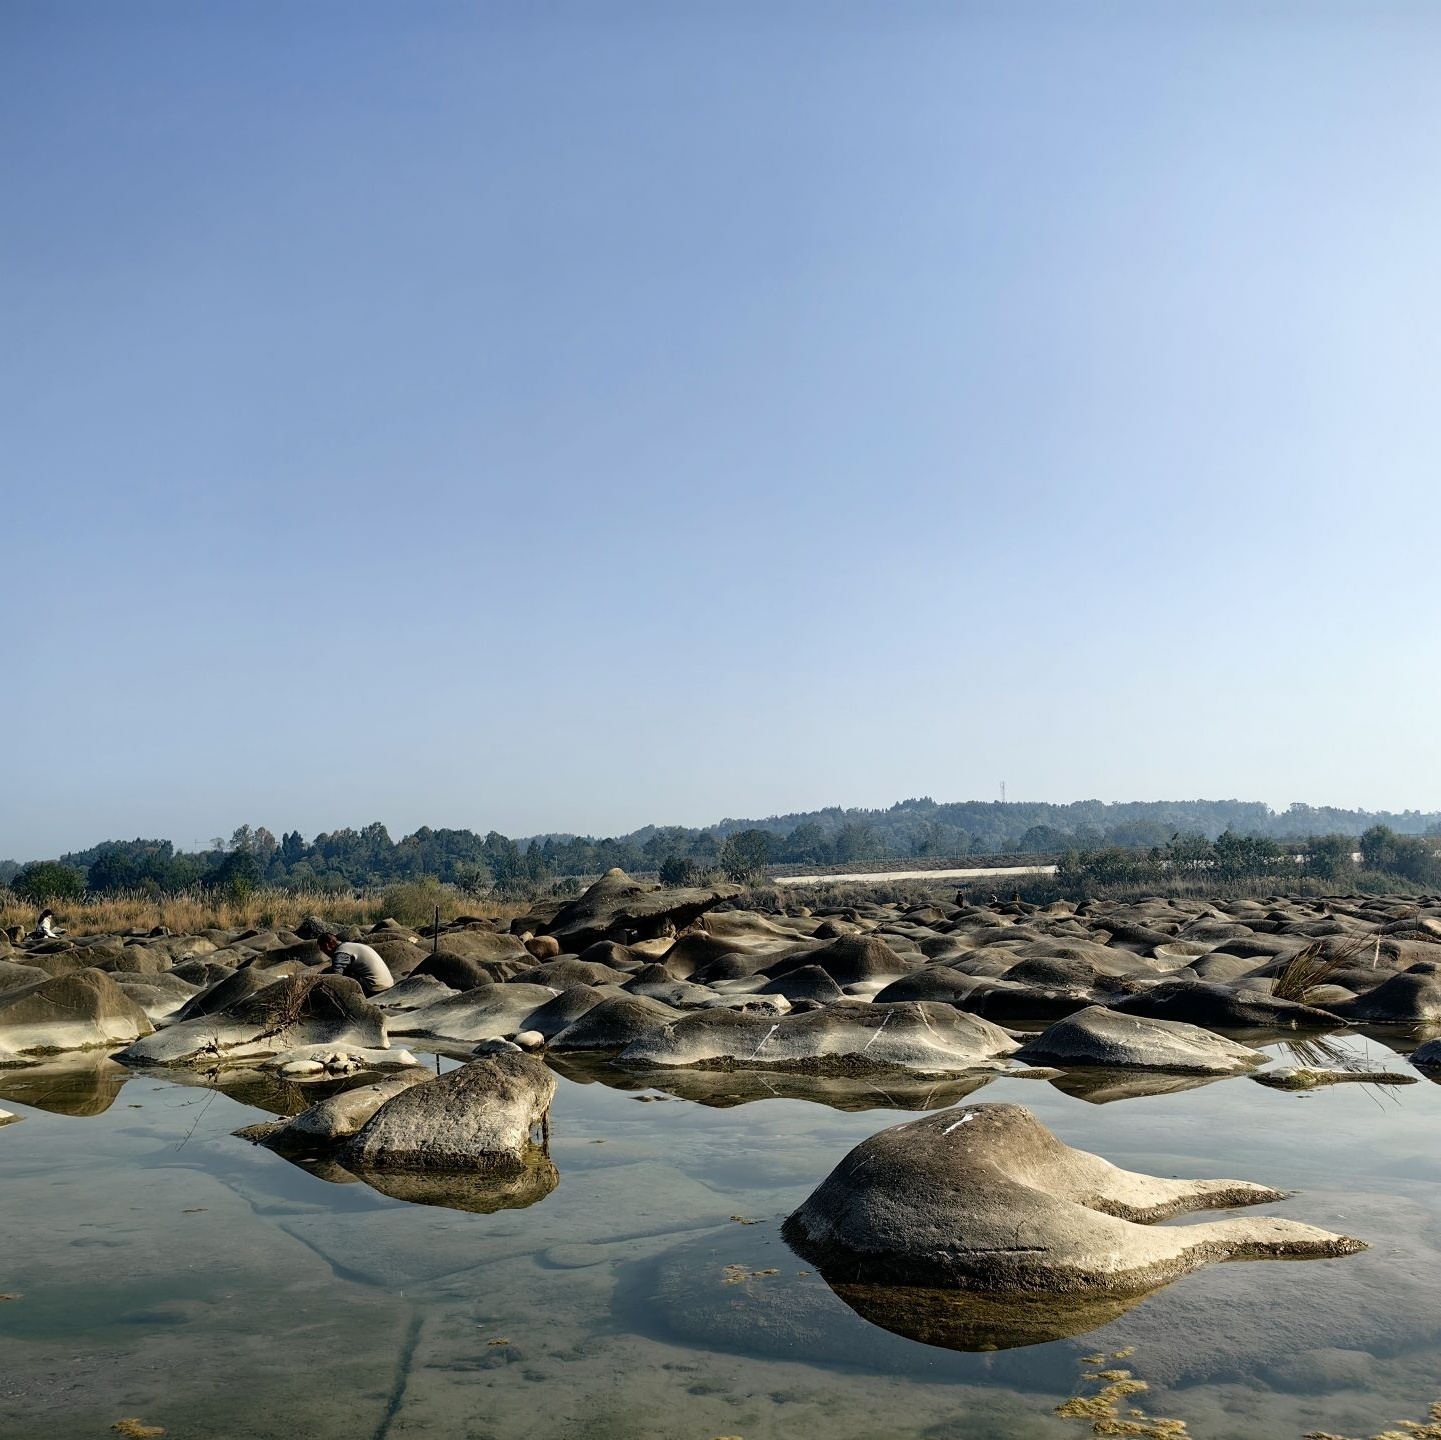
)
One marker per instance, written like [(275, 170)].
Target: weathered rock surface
[(488, 1012), (986, 1198), (79, 1011), (613, 1024), (478, 1117), (617, 907), (335, 1118), (1100, 1037), (1217, 1007), (925, 1037), (1412, 997), (291, 1013)]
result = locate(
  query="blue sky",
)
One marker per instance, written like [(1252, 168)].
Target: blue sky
[(564, 417)]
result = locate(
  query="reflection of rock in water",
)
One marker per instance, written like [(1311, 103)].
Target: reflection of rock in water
[(725, 1089), (480, 1192), (76, 1085), (1100, 1087), (264, 1089), (477, 1191), (965, 1320)]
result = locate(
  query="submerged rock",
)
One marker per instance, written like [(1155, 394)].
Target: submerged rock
[(1303, 1078), (986, 1198)]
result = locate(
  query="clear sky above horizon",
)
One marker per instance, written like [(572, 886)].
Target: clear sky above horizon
[(572, 416)]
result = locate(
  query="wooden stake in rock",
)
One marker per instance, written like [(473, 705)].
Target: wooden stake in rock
[(435, 933)]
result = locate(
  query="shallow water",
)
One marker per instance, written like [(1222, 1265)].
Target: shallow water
[(171, 1272)]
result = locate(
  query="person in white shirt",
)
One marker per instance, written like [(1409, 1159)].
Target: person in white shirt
[(45, 928), (359, 962)]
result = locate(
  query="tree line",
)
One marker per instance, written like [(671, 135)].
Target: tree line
[(1336, 859), (349, 859)]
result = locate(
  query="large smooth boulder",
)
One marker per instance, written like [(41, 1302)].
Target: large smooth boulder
[(1412, 997), (614, 1023), (231, 989), (936, 982), (79, 1011), (291, 1014), (617, 906), (985, 1198), (848, 961), (335, 1118), (465, 972), (564, 1010), (909, 1035), (484, 944), (14, 976), (489, 1012), (1097, 1036), (561, 974), (477, 1117), (159, 996), (1218, 1008)]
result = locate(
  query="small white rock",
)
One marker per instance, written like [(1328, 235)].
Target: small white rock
[(302, 1067), (529, 1039)]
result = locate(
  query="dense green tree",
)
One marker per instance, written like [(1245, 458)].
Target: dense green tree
[(679, 871), (43, 882), (745, 855), (1328, 857)]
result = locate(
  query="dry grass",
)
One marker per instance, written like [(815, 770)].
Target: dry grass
[(191, 911), (1316, 964)]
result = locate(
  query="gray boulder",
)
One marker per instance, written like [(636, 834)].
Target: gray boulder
[(335, 1118), (985, 1198), (617, 906), (478, 1117), (848, 960), (1097, 1036), (1408, 998), (489, 1012), (80, 1011), (1217, 1007), (909, 1035), (614, 1024), (290, 1014)]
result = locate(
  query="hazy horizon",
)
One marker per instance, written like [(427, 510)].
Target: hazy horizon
[(569, 418)]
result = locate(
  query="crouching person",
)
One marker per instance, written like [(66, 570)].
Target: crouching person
[(358, 961)]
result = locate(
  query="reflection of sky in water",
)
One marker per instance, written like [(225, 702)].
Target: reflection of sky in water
[(172, 1272)]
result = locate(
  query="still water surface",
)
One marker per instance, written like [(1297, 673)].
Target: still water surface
[(168, 1271)]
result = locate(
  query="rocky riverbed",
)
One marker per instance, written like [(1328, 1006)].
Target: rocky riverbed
[(638, 1248)]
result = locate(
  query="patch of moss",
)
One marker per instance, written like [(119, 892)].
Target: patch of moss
[(1102, 1408), (1429, 1429)]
